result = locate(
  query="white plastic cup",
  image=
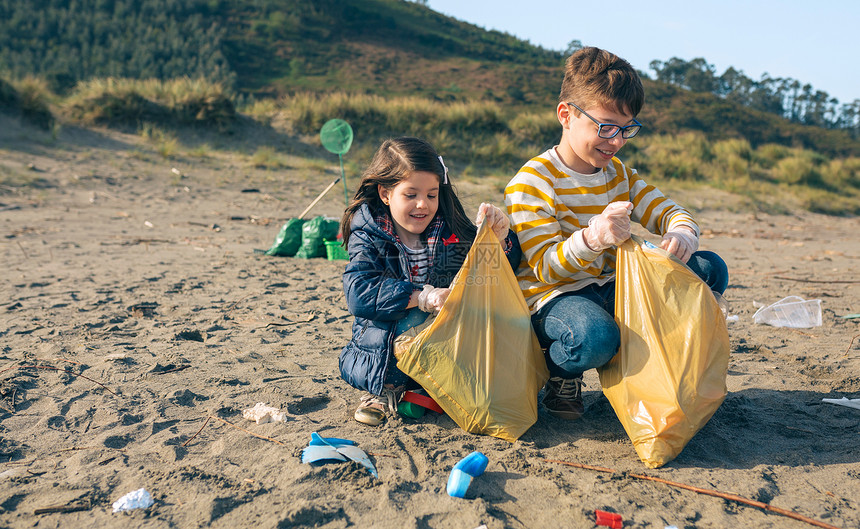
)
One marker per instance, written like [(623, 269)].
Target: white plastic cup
[(792, 311)]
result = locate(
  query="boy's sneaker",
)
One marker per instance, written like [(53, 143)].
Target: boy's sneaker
[(563, 397), (374, 408)]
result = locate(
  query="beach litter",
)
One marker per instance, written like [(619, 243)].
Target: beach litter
[(261, 414), (138, 499), (792, 311), (709, 492), (414, 403), (608, 519), (331, 449), (471, 466), (844, 401)]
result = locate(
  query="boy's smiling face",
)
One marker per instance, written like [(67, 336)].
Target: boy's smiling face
[(580, 148)]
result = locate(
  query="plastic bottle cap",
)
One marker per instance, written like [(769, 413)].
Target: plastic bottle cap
[(471, 466)]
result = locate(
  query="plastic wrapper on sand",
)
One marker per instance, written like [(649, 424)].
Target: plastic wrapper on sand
[(261, 414), (138, 499)]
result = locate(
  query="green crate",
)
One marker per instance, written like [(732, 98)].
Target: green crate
[(335, 252)]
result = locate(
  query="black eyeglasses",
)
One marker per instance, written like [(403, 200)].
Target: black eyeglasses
[(607, 131)]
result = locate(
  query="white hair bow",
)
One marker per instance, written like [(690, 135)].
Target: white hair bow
[(445, 167)]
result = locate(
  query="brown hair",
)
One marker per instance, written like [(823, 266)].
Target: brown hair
[(393, 162), (595, 77)]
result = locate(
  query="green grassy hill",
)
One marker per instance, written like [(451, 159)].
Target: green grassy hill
[(485, 99), (384, 47), (379, 46)]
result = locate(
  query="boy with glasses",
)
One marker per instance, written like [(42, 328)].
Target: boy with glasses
[(572, 205)]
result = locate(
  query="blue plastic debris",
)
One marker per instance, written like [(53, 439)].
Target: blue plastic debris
[(316, 440), (471, 466), (316, 454), (328, 449)]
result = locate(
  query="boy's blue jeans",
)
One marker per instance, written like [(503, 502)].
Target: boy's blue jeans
[(578, 331)]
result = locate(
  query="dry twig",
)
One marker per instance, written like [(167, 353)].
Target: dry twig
[(815, 280), (803, 333), (850, 344), (64, 371), (64, 508), (234, 426), (22, 249), (708, 492)]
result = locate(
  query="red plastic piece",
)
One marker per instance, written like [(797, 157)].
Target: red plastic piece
[(609, 519), (423, 401)]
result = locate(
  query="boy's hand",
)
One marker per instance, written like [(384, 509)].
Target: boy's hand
[(680, 242), (496, 218), (610, 228), (431, 298)]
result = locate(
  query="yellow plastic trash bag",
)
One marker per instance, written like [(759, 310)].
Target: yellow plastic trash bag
[(479, 359), (669, 376)]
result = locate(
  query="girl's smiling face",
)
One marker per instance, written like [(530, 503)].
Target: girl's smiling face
[(413, 203)]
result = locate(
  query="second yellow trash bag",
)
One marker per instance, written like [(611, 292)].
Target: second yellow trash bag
[(479, 358), (669, 376)]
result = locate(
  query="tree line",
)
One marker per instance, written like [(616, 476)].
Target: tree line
[(786, 97), (65, 41), (254, 45)]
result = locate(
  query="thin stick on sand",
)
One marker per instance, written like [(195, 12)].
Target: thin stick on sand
[(64, 371), (850, 344), (847, 281), (708, 492), (22, 249), (258, 436), (64, 508)]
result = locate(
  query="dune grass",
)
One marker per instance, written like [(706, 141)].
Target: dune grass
[(178, 102), (477, 138), (30, 98), (483, 137), (768, 172)]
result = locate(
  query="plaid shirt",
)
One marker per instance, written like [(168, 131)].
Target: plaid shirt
[(387, 225)]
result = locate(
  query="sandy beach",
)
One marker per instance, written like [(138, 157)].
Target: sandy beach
[(133, 308)]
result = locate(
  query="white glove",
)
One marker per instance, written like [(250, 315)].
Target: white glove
[(610, 228), (431, 298), (680, 242), (496, 219)]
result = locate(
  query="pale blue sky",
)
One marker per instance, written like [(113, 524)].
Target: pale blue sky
[(815, 42)]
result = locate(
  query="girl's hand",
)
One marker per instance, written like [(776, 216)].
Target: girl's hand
[(431, 298), (496, 219)]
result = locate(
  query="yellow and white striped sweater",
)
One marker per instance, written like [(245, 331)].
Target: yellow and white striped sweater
[(549, 206)]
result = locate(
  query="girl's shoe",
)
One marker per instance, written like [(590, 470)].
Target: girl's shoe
[(374, 408)]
